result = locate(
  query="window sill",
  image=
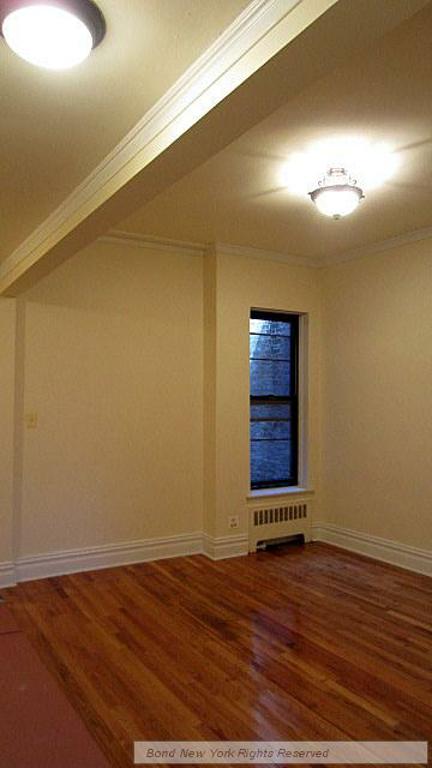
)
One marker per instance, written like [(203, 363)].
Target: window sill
[(294, 490)]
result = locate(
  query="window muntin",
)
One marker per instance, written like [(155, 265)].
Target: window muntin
[(273, 399)]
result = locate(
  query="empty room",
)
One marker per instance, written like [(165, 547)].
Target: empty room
[(216, 383)]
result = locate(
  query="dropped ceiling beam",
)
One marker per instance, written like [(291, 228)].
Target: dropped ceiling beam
[(273, 50)]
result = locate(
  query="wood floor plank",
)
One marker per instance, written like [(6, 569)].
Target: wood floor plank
[(303, 643)]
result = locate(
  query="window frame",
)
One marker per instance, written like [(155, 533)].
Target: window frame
[(292, 399)]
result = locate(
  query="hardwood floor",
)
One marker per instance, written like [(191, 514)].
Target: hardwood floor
[(301, 643)]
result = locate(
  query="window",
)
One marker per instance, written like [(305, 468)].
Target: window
[(273, 344)]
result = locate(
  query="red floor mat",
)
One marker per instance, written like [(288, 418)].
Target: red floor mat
[(38, 726)]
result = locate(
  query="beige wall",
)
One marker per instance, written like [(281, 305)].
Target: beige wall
[(136, 364), (7, 398), (243, 283), (377, 395), (113, 369)]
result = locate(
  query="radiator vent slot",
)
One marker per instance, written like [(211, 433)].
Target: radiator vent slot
[(275, 515)]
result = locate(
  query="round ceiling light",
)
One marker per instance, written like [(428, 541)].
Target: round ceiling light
[(54, 34), (336, 194)]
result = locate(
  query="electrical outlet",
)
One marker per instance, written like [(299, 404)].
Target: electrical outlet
[(233, 521)]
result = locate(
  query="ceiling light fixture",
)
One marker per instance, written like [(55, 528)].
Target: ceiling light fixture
[(337, 194), (54, 34)]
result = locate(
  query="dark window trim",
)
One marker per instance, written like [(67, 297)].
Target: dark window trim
[(293, 319)]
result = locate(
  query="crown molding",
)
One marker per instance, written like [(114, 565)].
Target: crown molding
[(256, 35), (167, 245), (149, 242), (261, 253), (407, 238)]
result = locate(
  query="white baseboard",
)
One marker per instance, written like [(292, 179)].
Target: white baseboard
[(387, 550), (222, 547), (107, 556), (124, 553), (7, 575), (216, 548)]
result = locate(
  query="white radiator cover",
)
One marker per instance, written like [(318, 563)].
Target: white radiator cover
[(277, 520)]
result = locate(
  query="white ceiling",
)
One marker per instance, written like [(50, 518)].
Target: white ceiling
[(56, 126), (236, 196)]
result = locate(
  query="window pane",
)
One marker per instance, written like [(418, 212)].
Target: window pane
[(271, 462), (276, 327), (270, 411), (270, 430), (270, 378), (270, 347), (273, 428)]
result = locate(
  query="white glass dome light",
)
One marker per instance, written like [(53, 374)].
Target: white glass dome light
[(53, 34), (336, 194)]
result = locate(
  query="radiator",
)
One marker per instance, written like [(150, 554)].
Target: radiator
[(277, 522)]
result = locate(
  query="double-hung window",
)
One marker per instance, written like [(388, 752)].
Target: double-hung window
[(273, 399)]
